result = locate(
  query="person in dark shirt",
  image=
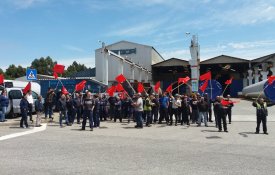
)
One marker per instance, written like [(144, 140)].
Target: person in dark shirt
[(103, 108), (186, 110), (163, 109), (155, 108), (203, 109), (195, 109), (262, 113), (62, 107), (38, 105), (221, 114), (229, 108), (88, 107), (96, 111), (77, 102), (24, 107), (112, 101), (118, 110)]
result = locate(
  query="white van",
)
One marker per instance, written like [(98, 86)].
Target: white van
[(14, 91)]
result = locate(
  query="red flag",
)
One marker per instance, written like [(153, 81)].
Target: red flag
[(204, 86), (157, 86), (183, 80), (140, 87), (111, 90), (55, 75), (1, 79), (271, 79), (206, 76), (228, 82), (169, 89), (80, 86), (225, 102), (27, 88), (120, 78), (58, 68), (64, 91), (119, 88)]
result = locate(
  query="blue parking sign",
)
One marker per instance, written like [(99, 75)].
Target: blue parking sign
[(31, 74)]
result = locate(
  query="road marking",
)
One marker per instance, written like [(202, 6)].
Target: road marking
[(34, 130)]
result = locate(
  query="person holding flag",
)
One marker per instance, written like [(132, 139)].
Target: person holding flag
[(220, 107), (163, 109), (229, 108), (24, 107), (261, 113)]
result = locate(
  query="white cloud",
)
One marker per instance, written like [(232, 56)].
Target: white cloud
[(73, 48), (138, 30)]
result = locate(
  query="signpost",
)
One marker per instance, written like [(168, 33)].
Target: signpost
[(31, 74)]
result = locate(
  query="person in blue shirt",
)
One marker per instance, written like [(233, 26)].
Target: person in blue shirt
[(163, 110), (4, 103), (24, 108)]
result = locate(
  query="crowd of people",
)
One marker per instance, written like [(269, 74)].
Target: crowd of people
[(145, 110)]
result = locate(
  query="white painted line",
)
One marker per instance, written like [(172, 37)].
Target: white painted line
[(34, 130)]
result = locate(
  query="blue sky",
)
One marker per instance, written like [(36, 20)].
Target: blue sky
[(69, 30)]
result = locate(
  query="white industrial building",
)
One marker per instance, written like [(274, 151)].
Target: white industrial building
[(132, 60)]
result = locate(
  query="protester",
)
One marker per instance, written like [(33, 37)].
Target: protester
[(221, 114), (176, 104), (195, 109), (77, 102), (163, 109), (49, 101), (229, 108), (138, 107), (88, 107), (30, 100), (203, 109), (24, 107), (261, 113), (118, 110), (155, 108), (4, 103), (103, 108), (70, 110), (186, 110), (39, 110), (128, 108), (62, 107), (96, 111), (148, 110)]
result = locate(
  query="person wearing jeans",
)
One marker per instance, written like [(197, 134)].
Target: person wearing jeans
[(203, 109), (138, 105), (4, 103), (62, 109)]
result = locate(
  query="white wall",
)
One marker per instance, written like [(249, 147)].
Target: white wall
[(144, 56)]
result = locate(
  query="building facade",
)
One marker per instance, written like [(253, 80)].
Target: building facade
[(138, 54)]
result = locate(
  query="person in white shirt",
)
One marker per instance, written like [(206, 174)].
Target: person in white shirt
[(138, 107), (30, 101), (176, 104)]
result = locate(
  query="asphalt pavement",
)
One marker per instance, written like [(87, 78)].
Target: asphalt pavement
[(119, 148)]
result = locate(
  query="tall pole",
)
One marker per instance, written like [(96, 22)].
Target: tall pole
[(194, 63)]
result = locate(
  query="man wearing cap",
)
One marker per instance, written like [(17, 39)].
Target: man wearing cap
[(138, 107), (262, 113)]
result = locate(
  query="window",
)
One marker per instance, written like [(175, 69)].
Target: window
[(15, 94), (34, 95)]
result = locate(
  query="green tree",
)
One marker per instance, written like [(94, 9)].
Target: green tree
[(1, 71), (13, 72), (75, 67), (43, 65)]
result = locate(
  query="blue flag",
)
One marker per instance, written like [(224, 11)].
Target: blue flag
[(213, 89), (269, 91)]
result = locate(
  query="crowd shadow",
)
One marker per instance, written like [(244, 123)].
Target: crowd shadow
[(209, 131), (245, 134), (213, 137)]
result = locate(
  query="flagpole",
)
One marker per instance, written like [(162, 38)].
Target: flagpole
[(225, 89), (130, 85), (211, 88), (262, 92), (181, 85)]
